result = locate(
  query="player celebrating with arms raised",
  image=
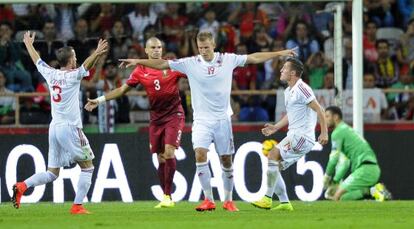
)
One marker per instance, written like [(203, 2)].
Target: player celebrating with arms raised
[(302, 109), (67, 142), (166, 114), (210, 78)]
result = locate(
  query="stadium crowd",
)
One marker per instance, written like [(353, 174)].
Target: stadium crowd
[(241, 28)]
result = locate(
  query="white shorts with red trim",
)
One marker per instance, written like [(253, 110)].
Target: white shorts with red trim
[(293, 147), (67, 144)]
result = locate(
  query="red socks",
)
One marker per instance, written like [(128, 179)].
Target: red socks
[(170, 167)]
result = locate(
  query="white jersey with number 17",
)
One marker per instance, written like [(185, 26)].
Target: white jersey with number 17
[(64, 93), (210, 83)]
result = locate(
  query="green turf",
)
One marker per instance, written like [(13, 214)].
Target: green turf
[(141, 214)]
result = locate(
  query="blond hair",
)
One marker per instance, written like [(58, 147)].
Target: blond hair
[(205, 35)]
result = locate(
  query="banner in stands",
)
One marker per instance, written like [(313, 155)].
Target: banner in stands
[(373, 102), (126, 171)]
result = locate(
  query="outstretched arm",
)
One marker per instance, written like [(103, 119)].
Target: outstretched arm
[(159, 64), (118, 92), (92, 59), (260, 57), (28, 40)]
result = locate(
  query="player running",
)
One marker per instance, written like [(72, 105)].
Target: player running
[(302, 111), (167, 117), (351, 150), (210, 78), (67, 142)]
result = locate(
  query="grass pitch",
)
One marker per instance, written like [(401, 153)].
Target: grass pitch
[(141, 214)]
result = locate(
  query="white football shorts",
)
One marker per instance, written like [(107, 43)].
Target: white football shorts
[(293, 147), (67, 144), (219, 132)]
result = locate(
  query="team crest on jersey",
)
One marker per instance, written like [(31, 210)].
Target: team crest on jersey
[(164, 73)]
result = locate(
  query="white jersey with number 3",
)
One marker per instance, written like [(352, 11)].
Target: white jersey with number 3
[(64, 92), (210, 83), (302, 119)]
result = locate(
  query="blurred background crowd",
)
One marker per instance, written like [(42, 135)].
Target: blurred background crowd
[(388, 42)]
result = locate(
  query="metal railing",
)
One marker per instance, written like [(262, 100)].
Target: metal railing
[(18, 96)]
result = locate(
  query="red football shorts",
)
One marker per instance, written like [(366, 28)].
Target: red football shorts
[(166, 133)]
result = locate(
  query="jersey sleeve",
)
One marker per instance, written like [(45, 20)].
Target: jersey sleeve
[(44, 69), (180, 65), (306, 93), (237, 60), (341, 168), (133, 79)]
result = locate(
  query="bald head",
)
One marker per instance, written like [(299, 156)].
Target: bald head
[(153, 48)]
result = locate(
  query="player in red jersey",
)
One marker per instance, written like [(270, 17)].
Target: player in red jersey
[(166, 113)]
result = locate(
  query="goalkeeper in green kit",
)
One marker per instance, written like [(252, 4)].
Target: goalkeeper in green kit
[(350, 150)]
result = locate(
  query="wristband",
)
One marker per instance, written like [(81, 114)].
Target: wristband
[(101, 99)]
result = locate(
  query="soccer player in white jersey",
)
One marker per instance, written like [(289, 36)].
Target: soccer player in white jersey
[(67, 142), (302, 111), (210, 78)]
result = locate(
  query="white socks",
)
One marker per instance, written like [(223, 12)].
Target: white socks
[(272, 175), (228, 183), (204, 176), (280, 189), (40, 178), (85, 180)]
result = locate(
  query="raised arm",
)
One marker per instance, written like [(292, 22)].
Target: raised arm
[(159, 64), (118, 92), (323, 137), (28, 40), (260, 57), (92, 59)]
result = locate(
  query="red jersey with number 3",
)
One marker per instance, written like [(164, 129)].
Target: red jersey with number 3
[(162, 90)]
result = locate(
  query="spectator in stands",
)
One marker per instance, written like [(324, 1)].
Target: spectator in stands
[(140, 18), (369, 84), (253, 112), (82, 43), (272, 67), (405, 54), (174, 26), (369, 41), (301, 38), (119, 41), (18, 79), (288, 18), (65, 21), (50, 44), (104, 21), (31, 113), (110, 81), (7, 103), (399, 100), (386, 67), (318, 65), (244, 78), (188, 45), (406, 8), (29, 17), (209, 23), (329, 80), (409, 114), (247, 15), (384, 13), (6, 13)]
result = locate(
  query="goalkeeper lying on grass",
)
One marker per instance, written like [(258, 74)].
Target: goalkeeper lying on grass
[(350, 150)]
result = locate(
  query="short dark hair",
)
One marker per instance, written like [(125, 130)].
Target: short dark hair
[(296, 65), (379, 41), (63, 55), (335, 111)]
